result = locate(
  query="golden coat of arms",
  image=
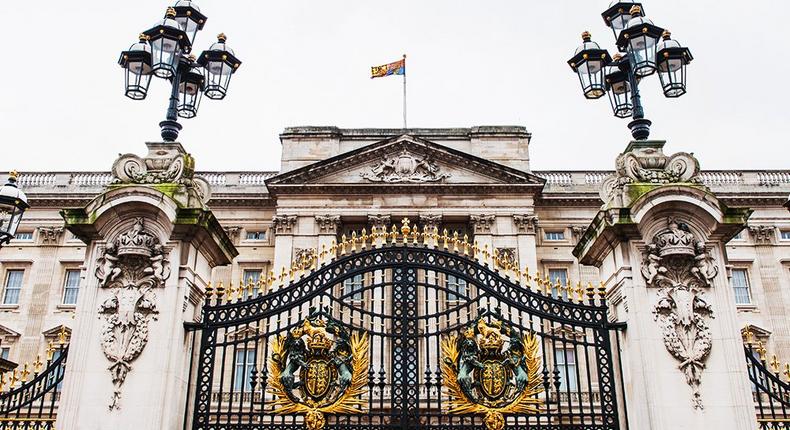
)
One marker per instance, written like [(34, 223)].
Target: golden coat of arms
[(319, 368), (492, 369)]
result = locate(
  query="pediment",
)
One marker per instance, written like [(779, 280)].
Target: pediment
[(404, 162), (7, 332)]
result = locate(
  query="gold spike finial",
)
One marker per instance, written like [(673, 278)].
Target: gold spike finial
[(761, 350), (787, 371), (405, 229), (62, 335), (775, 363)]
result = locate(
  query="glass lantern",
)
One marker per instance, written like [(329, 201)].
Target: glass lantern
[(618, 15), (190, 91), (13, 204), (167, 41), (619, 87), (671, 59), (589, 62), (189, 18), (639, 40), (220, 64), (137, 62)]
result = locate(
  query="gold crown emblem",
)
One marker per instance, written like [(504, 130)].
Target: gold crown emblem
[(491, 335), (317, 337)]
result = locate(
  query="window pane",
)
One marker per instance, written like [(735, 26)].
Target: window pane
[(565, 362), (555, 235), (354, 285), (785, 235), (71, 287), (28, 235), (4, 353), (245, 362), (558, 275), (456, 287), (740, 286), (13, 284), (256, 235)]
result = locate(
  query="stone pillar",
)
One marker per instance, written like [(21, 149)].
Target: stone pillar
[(659, 243), (151, 245), (283, 226), (527, 227), (481, 225)]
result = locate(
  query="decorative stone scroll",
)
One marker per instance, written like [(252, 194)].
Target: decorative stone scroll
[(233, 232), (284, 224), (678, 264), (405, 168), (431, 222), (526, 223), (482, 223), (762, 234), (327, 224), (379, 222), (132, 267), (165, 163), (50, 235)]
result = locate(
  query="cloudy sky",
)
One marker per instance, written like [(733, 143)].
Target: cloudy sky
[(469, 63)]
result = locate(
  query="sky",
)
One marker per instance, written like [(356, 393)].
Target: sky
[(495, 62)]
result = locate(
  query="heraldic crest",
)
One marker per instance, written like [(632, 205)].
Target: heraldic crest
[(491, 368), (319, 368)]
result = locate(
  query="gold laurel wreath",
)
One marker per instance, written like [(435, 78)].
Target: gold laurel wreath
[(524, 403), (349, 402)]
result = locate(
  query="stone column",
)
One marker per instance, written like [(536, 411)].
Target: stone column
[(660, 247), (527, 227), (777, 295), (326, 226), (283, 226), (481, 225), (151, 245)]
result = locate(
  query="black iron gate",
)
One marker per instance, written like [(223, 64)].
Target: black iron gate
[(430, 333)]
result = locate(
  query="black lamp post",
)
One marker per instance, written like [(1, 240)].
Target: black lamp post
[(164, 51), (13, 204), (646, 49)]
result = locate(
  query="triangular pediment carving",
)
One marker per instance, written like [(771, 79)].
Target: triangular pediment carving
[(403, 162), (7, 332)]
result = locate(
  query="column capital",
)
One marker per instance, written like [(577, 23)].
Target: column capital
[(482, 223), (430, 221), (762, 234), (379, 222), (327, 224), (284, 224), (526, 223)]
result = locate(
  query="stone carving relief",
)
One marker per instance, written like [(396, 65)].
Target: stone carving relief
[(431, 222), (577, 231), (304, 257), (164, 164), (482, 223), (762, 234), (526, 223), (233, 232), (283, 224), (647, 163), (50, 235), (405, 167), (379, 222), (131, 267), (327, 224), (507, 258), (680, 266)]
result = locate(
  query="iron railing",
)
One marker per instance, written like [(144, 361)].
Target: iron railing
[(33, 405), (771, 393)]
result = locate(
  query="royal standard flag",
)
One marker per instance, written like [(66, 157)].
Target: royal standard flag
[(396, 68)]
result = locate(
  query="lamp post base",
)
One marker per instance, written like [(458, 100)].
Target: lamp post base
[(640, 128), (170, 130)]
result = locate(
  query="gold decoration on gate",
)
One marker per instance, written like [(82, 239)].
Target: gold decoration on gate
[(492, 369), (319, 368)]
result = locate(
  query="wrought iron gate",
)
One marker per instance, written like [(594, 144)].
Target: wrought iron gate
[(404, 330)]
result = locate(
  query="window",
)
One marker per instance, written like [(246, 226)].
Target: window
[(26, 235), (242, 371), (13, 284), (256, 235), (558, 275), (71, 287), (5, 352), (565, 363), (555, 235), (740, 285), (456, 287), (784, 234), (252, 276), (353, 287)]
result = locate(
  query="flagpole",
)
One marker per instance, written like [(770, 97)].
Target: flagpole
[(404, 91)]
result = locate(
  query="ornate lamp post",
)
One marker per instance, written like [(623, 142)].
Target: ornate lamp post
[(164, 50), (13, 204), (646, 49)]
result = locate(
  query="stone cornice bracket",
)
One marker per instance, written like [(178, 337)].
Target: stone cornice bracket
[(284, 224), (762, 234), (482, 223), (430, 222), (679, 264), (379, 222), (50, 235), (645, 162), (167, 163), (132, 266), (526, 223), (233, 232), (327, 224), (577, 231)]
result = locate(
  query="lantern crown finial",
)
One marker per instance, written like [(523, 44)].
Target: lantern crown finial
[(636, 10), (666, 35), (221, 38), (142, 37), (170, 13), (586, 36), (12, 175)]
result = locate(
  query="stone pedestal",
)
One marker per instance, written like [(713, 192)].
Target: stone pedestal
[(150, 251), (660, 249)]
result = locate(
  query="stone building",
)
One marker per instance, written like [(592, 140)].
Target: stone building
[(477, 182)]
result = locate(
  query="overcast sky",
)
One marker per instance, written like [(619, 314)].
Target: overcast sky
[(469, 63)]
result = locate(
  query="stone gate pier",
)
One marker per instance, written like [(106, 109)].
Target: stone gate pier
[(659, 242)]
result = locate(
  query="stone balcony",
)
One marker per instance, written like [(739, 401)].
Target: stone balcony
[(736, 184)]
